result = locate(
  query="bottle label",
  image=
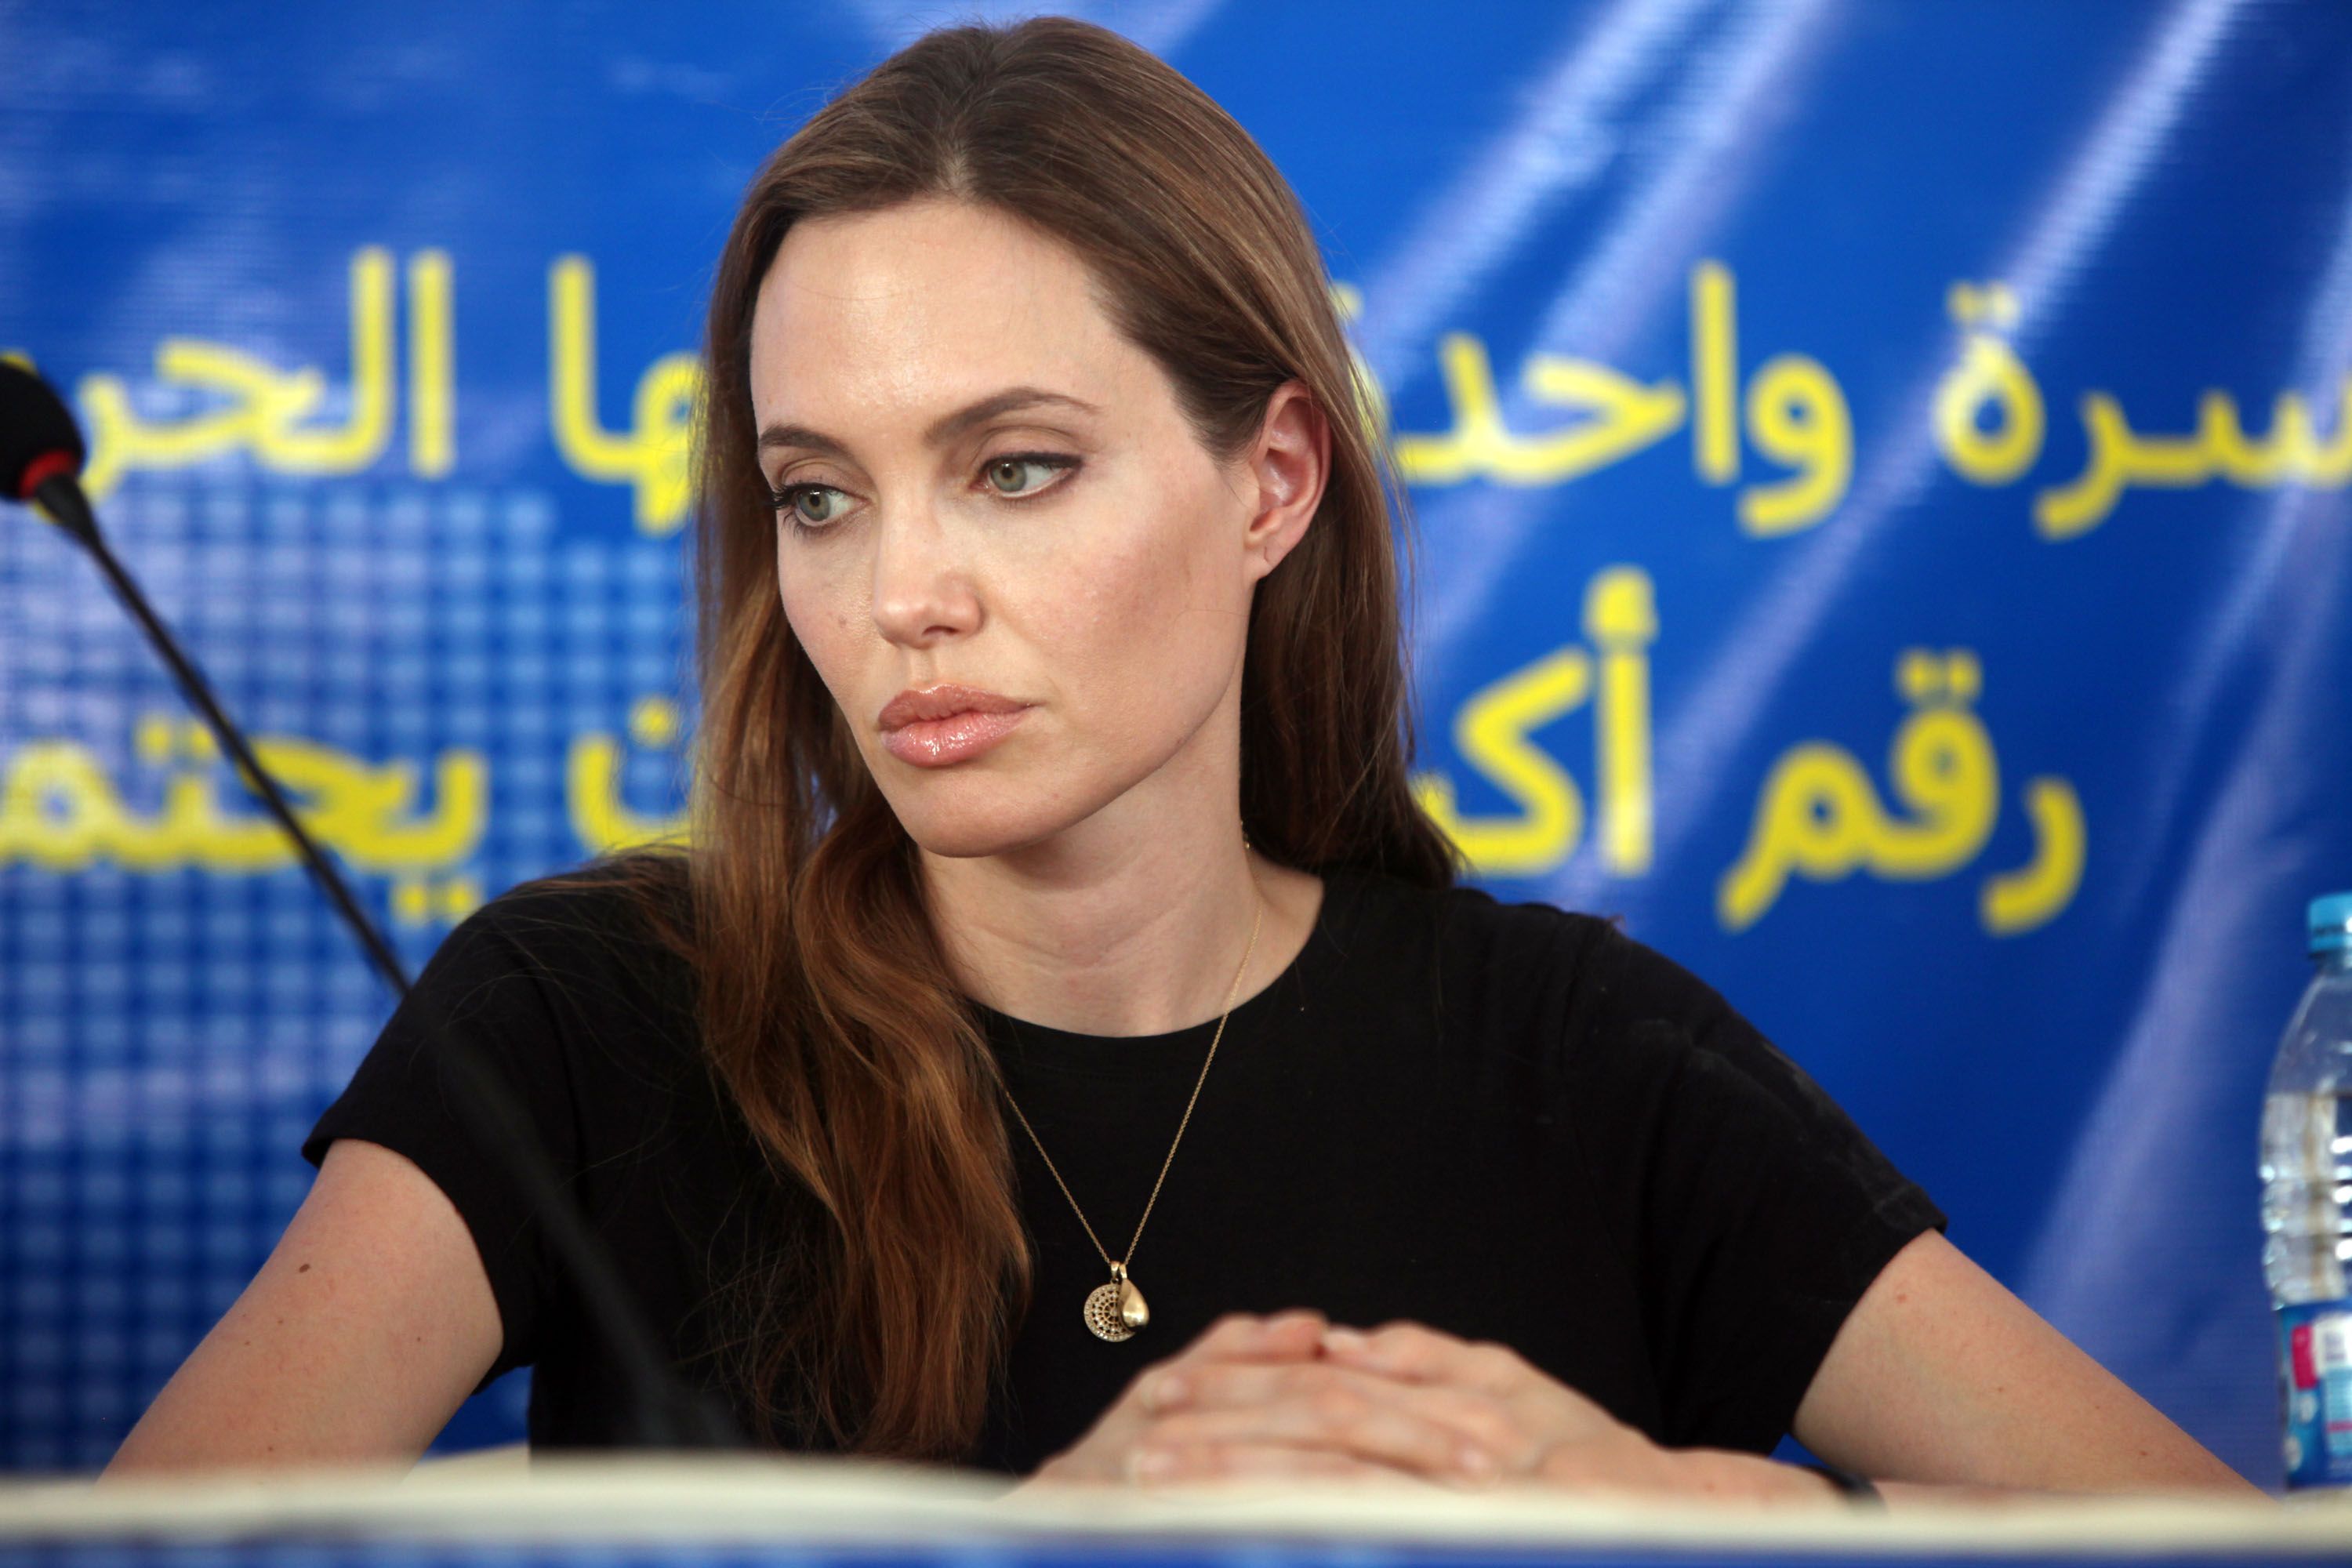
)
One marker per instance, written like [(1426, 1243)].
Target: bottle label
[(2315, 1392)]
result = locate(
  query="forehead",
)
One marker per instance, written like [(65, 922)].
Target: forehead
[(887, 319)]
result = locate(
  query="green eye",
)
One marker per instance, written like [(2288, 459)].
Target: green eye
[(1004, 473), (794, 499)]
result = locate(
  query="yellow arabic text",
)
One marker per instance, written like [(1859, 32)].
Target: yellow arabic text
[(652, 454), (1494, 731), (1819, 815)]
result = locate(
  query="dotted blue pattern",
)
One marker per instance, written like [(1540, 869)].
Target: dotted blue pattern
[(167, 1036)]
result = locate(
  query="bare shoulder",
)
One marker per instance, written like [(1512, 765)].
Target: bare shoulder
[(370, 1322), (1940, 1375)]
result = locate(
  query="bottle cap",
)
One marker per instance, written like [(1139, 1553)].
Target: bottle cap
[(2331, 923)]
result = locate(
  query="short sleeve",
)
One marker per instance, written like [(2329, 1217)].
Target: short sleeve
[(481, 991), (1754, 1210)]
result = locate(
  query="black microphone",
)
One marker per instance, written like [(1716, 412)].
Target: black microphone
[(41, 455), (41, 450)]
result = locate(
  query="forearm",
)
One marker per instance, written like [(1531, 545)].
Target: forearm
[(1732, 1475), (1900, 1495), (1905, 1494)]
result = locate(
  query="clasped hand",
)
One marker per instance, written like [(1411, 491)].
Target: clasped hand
[(1292, 1395)]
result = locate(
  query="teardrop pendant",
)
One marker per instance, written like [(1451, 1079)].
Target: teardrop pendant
[(1114, 1312)]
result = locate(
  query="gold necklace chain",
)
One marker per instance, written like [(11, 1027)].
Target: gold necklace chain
[(1114, 1312)]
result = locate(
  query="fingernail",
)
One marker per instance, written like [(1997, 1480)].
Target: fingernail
[(1475, 1460), (1345, 1338), (1168, 1391), (1150, 1464)]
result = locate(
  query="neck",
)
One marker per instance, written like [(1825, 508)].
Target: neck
[(1103, 943), (1138, 938)]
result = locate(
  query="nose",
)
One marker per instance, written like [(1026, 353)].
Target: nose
[(923, 592)]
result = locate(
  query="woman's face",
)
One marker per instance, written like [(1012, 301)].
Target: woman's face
[(987, 486)]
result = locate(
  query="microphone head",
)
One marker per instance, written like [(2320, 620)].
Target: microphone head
[(38, 438)]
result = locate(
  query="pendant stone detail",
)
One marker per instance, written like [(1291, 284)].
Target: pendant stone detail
[(1114, 1312)]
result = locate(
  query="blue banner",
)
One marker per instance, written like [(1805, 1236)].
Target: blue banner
[(1880, 474)]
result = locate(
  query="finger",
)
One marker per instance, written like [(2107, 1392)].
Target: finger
[(1192, 1463), (1296, 1333), (1539, 1409), (1478, 1418), (1418, 1353), (1292, 1336), (1337, 1419)]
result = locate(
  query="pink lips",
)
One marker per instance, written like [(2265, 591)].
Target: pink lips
[(946, 723)]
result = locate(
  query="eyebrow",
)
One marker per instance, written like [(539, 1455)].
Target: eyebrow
[(941, 430)]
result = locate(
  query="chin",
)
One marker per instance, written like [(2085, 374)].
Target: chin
[(949, 818)]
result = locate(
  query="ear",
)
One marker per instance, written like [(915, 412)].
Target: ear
[(1289, 462)]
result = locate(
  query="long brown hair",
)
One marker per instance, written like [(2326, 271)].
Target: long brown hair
[(826, 1005)]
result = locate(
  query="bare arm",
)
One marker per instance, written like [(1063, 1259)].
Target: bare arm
[(1941, 1379), (366, 1329)]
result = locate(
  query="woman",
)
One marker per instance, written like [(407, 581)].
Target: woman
[(1065, 1049)]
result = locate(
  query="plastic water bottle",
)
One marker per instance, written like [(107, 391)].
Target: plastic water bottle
[(2307, 1209)]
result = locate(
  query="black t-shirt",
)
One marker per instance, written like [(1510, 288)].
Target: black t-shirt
[(1507, 1121)]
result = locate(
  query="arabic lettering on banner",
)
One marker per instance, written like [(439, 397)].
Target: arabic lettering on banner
[(1989, 413), (63, 811), (1818, 816)]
